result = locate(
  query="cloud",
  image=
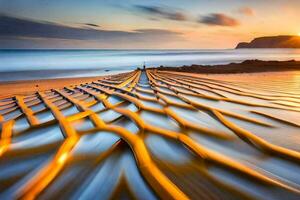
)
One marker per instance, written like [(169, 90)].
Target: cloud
[(246, 11), (92, 25), (218, 19), (162, 12), (17, 29)]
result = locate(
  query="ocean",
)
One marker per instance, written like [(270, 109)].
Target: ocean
[(44, 64)]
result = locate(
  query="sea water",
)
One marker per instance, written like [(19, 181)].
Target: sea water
[(43, 64)]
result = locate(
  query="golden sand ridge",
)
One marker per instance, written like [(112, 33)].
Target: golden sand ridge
[(212, 127)]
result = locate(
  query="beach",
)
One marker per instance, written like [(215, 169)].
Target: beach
[(153, 130)]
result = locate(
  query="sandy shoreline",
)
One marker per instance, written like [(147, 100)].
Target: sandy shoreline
[(29, 86)]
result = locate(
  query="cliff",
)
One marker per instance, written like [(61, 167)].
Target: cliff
[(284, 41)]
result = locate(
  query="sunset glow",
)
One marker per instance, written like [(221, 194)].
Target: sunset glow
[(150, 99), (143, 24)]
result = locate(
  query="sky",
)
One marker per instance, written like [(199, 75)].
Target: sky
[(144, 24)]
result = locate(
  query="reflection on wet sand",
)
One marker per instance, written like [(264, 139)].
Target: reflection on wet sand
[(154, 135)]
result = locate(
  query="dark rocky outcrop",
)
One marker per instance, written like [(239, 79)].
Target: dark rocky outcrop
[(248, 66)]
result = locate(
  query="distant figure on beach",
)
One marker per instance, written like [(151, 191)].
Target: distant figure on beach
[(144, 66)]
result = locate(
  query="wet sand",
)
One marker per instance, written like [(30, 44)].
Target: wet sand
[(9, 88), (154, 134), (25, 87)]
